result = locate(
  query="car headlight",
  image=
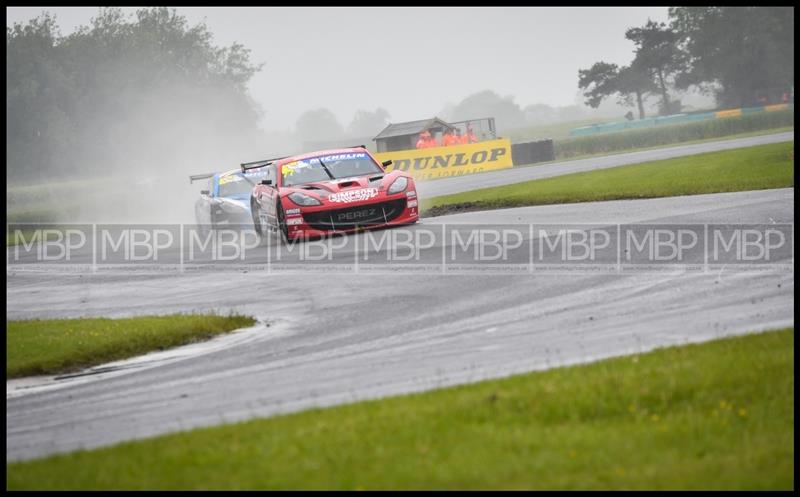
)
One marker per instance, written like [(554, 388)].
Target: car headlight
[(398, 186), (301, 199)]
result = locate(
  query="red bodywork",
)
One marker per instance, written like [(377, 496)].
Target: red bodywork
[(347, 204)]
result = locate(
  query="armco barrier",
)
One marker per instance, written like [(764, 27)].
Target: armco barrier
[(752, 110), (728, 113), (700, 116), (455, 160), (772, 108), (672, 119)]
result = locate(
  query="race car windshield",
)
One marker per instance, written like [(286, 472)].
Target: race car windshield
[(328, 167), (234, 185)]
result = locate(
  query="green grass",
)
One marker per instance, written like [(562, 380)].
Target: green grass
[(607, 143), (751, 168), (37, 214), (53, 201), (63, 345), (718, 415), (33, 193)]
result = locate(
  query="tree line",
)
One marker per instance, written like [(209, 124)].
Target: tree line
[(122, 92), (743, 56)]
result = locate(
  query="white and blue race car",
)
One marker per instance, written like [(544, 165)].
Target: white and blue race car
[(226, 198)]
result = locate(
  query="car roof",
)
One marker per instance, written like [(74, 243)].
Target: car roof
[(332, 151), (237, 171)]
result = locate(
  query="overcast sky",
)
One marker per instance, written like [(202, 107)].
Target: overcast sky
[(408, 60)]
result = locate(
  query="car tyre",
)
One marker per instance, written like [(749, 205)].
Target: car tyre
[(283, 228), (258, 224)]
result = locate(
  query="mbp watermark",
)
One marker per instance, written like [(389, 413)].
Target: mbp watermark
[(501, 249), (574, 248), (750, 246), (423, 248), (49, 243), (224, 244), (136, 245), (412, 249), (659, 247)]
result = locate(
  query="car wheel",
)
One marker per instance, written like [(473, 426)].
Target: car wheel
[(258, 224), (283, 229), (205, 227), (202, 227)]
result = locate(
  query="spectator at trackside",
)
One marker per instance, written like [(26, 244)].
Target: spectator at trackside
[(423, 140), (450, 138), (470, 137), (426, 140)]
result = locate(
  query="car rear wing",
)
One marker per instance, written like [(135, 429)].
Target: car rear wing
[(196, 177), (246, 166)]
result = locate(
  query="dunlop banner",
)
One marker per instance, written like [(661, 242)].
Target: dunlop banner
[(455, 160)]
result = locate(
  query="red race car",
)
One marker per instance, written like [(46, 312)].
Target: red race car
[(330, 191)]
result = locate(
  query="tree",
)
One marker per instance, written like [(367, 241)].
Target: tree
[(742, 54), (604, 80), (125, 94), (634, 81), (598, 82), (366, 123), (37, 127), (658, 53), (318, 125)]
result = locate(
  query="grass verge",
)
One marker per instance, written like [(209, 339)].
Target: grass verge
[(64, 345), (751, 168), (718, 415)]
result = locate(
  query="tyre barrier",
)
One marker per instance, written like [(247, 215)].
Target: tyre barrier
[(533, 152)]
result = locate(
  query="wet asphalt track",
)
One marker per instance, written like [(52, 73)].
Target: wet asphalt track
[(335, 338)]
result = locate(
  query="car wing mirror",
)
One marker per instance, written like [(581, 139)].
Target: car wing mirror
[(386, 163)]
